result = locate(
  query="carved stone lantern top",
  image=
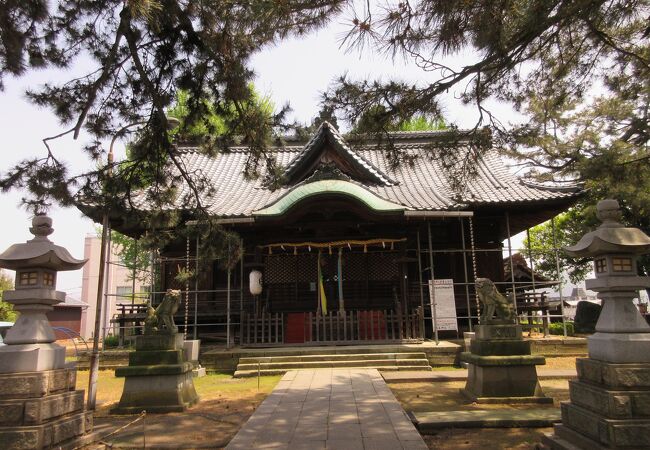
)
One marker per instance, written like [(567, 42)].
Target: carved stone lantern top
[(39, 252), (611, 236)]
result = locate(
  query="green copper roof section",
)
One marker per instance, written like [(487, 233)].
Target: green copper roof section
[(323, 187)]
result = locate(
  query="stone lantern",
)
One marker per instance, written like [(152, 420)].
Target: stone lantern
[(610, 398), (39, 404), (30, 342), (622, 334)]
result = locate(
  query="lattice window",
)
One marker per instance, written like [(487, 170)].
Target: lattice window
[(306, 267), (354, 266), (280, 269), (382, 266), (28, 278), (622, 264)]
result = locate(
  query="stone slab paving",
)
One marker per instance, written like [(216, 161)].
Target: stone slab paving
[(345, 409), (493, 418), (461, 375)]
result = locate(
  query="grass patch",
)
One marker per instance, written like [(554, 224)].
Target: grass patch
[(210, 387), (222, 384), (560, 363), (225, 405)]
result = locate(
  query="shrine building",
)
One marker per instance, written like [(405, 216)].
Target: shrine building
[(347, 248)]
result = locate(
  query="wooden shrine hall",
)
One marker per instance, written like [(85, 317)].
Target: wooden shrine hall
[(347, 249)]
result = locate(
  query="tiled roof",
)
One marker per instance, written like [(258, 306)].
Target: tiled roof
[(424, 185), (327, 134)]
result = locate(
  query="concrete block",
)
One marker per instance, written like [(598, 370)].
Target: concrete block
[(153, 357), (504, 382), (199, 372), (153, 370), (20, 438), (47, 408), (46, 435), (11, 413), (614, 433), (612, 375), (502, 360), (506, 331), (620, 347), (36, 384), (610, 403), (159, 342), (501, 347), (62, 380), (157, 393), (191, 348), (31, 357)]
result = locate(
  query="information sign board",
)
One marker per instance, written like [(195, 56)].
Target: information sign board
[(441, 296)]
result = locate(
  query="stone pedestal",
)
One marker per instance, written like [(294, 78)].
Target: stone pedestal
[(609, 408), (41, 409), (158, 379), (501, 368)]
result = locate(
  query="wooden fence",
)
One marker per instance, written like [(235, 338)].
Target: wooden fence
[(263, 329), (335, 327)]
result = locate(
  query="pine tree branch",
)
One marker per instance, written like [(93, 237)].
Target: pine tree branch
[(109, 67)]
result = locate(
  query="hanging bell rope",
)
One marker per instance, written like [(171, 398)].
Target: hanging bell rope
[(364, 244)]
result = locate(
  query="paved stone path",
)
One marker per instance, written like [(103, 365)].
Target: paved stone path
[(347, 409)]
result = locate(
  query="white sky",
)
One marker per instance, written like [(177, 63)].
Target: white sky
[(296, 71)]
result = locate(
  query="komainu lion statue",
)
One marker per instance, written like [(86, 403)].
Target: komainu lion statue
[(161, 319), (494, 303)]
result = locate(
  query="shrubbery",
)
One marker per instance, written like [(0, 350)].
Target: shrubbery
[(111, 341), (557, 328)]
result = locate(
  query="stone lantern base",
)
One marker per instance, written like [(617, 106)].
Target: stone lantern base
[(609, 408), (41, 409), (501, 368), (158, 379), (31, 357)]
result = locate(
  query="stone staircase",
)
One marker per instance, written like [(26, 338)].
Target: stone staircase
[(279, 364)]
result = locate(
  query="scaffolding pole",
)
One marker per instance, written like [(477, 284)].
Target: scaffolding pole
[(420, 272), (532, 277), (512, 265), (559, 274), (107, 283), (241, 279), (228, 300), (469, 308), (133, 272), (432, 293)]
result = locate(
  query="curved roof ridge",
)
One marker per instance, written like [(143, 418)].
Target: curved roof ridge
[(553, 186), (327, 132), (303, 190)]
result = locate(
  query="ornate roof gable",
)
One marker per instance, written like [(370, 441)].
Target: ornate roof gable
[(328, 148)]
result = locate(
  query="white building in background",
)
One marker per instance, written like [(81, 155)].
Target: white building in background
[(119, 287)]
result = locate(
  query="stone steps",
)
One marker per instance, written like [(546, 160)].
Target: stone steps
[(333, 364), (253, 373), (331, 357), (274, 365)]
